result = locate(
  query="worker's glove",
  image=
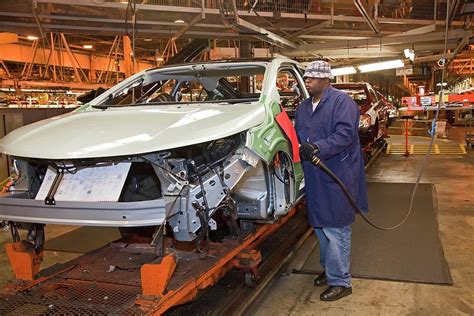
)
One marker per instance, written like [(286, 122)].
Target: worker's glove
[(308, 151)]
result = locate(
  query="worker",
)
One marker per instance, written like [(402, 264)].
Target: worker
[(327, 127)]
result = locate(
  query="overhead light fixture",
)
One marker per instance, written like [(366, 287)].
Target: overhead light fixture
[(32, 38), (391, 64), (179, 21), (160, 59), (343, 71), (87, 46), (124, 2), (147, 39), (439, 84), (409, 53)]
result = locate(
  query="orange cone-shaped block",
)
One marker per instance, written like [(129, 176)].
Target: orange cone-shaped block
[(155, 277), (24, 260)]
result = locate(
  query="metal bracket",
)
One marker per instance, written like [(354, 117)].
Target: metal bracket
[(49, 200)]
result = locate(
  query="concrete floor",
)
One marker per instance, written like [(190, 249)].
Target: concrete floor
[(453, 177), (295, 294)]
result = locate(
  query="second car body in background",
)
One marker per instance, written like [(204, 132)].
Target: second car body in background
[(373, 112)]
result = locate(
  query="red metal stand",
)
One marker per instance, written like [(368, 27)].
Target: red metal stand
[(406, 124)]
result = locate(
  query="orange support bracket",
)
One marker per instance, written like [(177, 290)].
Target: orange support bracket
[(156, 276), (24, 260)]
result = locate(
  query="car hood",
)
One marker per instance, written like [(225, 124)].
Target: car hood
[(130, 130)]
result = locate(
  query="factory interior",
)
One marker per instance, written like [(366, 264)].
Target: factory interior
[(237, 157)]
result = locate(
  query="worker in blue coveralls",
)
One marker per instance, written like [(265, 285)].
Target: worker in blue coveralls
[(327, 125)]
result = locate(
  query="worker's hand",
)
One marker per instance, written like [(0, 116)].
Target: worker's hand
[(308, 151)]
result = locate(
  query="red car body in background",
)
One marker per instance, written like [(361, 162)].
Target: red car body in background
[(373, 111)]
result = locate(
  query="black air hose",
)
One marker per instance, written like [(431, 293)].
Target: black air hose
[(317, 162)]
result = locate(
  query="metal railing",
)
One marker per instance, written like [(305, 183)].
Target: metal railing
[(402, 9)]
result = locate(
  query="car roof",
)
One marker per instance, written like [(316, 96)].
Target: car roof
[(224, 61)]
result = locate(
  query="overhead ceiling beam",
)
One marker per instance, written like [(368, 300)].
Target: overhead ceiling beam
[(426, 59), (272, 26), (332, 38), (114, 30), (185, 28), (429, 46), (373, 52), (265, 34), (421, 30), (347, 34), (142, 22), (309, 29), (365, 12), (461, 45), (386, 40), (51, 84), (242, 26), (385, 49), (458, 48), (453, 9), (103, 20), (20, 53), (7, 38), (323, 17)]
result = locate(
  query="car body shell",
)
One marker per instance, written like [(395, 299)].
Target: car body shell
[(371, 106), (391, 109), (94, 133)]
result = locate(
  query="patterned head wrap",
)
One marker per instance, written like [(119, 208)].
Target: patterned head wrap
[(318, 69)]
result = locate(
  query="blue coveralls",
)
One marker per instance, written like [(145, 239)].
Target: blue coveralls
[(333, 127)]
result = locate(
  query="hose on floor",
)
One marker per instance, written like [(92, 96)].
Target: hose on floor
[(317, 162)]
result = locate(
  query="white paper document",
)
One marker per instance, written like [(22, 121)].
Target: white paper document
[(92, 184)]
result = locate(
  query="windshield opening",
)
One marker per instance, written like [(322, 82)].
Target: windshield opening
[(359, 95), (194, 83)]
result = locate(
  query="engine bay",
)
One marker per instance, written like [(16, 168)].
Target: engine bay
[(218, 188)]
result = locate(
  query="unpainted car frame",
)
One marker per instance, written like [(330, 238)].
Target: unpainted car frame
[(221, 163)]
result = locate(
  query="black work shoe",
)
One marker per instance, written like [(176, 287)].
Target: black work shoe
[(335, 292), (321, 280)]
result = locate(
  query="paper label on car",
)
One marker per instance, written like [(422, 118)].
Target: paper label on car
[(92, 184)]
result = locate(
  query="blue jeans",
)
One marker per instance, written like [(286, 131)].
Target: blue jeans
[(335, 253)]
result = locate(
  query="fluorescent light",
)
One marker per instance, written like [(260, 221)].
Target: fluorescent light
[(87, 46), (391, 64), (439, 84), (32, 38), (160, 59), (179, 21), (147, 39), (343, 71)]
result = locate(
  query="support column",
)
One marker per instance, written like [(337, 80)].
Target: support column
[(5, 68), (71, 58), (245, 51), (127, 57)]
